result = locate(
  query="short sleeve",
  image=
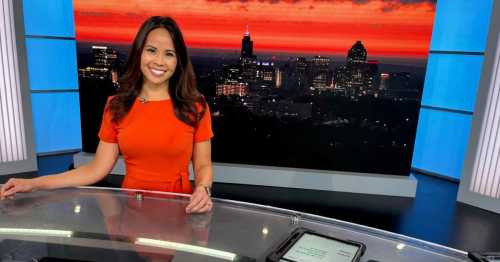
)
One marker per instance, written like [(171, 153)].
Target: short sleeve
[(203, 131), (108, 132)]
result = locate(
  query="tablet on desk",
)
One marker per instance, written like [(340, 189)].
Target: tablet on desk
[(484, 256), (305, 245)]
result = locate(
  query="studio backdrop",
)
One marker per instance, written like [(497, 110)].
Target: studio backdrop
[(333, 85)]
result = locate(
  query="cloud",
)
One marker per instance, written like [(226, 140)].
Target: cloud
[(93, 13), (387, 6), (391, 5), (360, 2)]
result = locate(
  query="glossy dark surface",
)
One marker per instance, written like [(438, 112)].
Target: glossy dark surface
[(154, 226), (434, 215)]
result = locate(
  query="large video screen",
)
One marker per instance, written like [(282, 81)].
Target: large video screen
[(330, 85)]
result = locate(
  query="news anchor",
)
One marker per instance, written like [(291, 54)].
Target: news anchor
[(157, 120)]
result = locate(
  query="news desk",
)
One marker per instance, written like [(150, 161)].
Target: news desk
[(101, 224)]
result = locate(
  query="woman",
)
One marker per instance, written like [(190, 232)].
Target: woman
[(157, 120)]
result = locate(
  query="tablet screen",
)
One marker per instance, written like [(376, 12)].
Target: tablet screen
[(313, 248)]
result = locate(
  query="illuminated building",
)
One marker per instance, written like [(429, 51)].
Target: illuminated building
[(358, 77), (104, 65), (357, 53), (247, 46), (371, 76), (266, 72), (231, 72), (279, 78), (103, 56), (383, 81), (396, 85), (301, 72), (249, 70), (94, 72), (232, 88), (320, 72), (341, 77)]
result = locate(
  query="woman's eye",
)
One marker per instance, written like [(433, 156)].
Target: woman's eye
[(170, 54), (150, 50)]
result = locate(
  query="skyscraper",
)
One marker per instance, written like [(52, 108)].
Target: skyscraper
[(321, 75), (357, 77), (357, 53), (249, 70), (248, 60), (247, 45), (301, 73), (267, 72), (104, 64), (342, 78), (279, 78), (372, 77), (102, 56)]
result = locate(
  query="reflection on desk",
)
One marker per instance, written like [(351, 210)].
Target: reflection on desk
[(96, 224)]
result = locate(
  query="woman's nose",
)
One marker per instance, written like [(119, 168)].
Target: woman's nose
[(159, 60)]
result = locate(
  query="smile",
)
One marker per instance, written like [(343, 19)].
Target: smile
[(157, 72)]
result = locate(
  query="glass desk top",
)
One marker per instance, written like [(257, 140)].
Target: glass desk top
[(102, 224)]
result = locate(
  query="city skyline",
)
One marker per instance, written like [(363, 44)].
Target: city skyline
[(334, 106), (310, 27), (357, 76), (317, 72), (251, 104), (260, 82)]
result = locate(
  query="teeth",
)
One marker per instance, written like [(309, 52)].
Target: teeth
[(157, 72)]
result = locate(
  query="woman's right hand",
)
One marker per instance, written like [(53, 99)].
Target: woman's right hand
[(16, 185)]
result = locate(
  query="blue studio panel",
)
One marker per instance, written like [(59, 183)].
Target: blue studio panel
[(49, 18), (441, 142), (461, 25), (452, 81), (56, 121), (49, 165), (52, 64)]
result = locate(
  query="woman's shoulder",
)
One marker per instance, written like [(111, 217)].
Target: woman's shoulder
[(111, 97), (201, 105), (108, 102)]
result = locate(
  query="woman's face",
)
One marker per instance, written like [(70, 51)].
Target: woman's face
[(158, 58)]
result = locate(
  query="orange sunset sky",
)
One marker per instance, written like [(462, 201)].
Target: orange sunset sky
[(387, 28)]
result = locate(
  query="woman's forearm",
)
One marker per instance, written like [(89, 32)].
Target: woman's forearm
[(204, 176), (90, 173), (81, 176)]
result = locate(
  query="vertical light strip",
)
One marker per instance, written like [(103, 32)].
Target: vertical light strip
[(3, 90), (3, 139), (10, 84), (486, 172), (479, 162), (481, 156), (12, 137), (494, 190), (19, 123), (493, 183), (491, 142)]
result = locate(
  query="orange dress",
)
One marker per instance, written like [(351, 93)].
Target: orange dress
[(156, 146)]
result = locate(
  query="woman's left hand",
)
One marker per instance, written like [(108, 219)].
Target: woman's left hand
[(200, 201)]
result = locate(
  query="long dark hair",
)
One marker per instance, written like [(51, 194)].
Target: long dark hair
[(189, 104)]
